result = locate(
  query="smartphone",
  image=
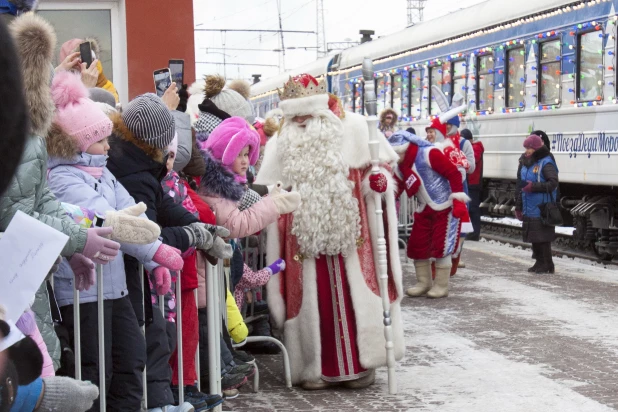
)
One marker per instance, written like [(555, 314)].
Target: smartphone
[(86, 53), (177, 69), (162, 80)]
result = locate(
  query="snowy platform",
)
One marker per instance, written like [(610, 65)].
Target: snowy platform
[(510, 221), (504, 340)]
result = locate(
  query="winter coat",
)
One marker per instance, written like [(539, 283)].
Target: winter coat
[(220, 190), (75, 186), (140, 168), (475, 179), (541, 170), (45, 323), (27, 325), (185, 142), (235, 324)]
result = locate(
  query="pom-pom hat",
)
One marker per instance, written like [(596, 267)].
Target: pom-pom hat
[(76, 114), (533, 142), (230, 138)]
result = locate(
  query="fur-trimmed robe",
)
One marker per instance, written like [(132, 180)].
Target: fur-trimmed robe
[(300, 318)]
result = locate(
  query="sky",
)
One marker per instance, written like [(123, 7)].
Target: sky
[(342, 20)]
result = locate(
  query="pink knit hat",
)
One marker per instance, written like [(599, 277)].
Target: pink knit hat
[(76, 114), (533, 142), (229, 138), (69, 47)]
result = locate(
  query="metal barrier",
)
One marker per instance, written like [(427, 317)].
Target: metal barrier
[(407, 207)]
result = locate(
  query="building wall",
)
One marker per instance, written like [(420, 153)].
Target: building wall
[(157, 31)]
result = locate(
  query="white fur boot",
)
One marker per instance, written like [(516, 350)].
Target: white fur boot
[(440, 284), (423, 277)]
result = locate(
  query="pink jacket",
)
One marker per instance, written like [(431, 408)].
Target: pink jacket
[(239, 223)]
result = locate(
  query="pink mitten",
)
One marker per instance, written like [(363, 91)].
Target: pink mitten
[(98, 248), (163, 280), (168, 257), (83, 269)]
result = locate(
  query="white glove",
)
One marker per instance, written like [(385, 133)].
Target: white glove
[(129, 227)]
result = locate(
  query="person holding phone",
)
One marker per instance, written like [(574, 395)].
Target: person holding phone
[(93, 75)]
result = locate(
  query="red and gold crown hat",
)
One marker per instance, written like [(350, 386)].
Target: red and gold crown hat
[(303, 95)]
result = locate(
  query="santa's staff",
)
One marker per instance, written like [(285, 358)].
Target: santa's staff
[(382, 270)]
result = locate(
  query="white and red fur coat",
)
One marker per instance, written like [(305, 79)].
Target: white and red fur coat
[(302, 329)]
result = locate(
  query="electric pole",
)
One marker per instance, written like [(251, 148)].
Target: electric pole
[(320, 29), (415, 11)]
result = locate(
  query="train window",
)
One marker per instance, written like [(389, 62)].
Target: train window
[(589, 80), (515, 80), (346, 98), (435, 78), (549, 73), (485, 82), (416, 91), (397, 95), (458, 79), (359, 98)]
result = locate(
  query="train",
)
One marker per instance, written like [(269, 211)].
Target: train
[(521, 66)]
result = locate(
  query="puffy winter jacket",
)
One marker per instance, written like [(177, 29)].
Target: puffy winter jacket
[(75, 186), (29, 193)]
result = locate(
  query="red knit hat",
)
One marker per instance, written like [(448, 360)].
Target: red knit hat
[(438, 126)]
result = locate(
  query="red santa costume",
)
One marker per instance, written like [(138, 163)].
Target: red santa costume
[(327, 300)]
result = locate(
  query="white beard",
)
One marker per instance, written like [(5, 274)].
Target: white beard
[(327, 221)]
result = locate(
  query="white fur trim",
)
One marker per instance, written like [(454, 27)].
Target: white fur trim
[(459, 196), (301, 334), (270, 170), (304, 105), (466, 227), (276, 303)]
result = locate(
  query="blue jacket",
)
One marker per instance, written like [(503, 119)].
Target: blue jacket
[(77, 187), (534, 174)]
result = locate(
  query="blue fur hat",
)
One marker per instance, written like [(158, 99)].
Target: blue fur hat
[(17, 7), (400, 137), (454, 121)]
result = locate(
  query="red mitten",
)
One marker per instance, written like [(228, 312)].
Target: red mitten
[(378, 183), (411, 181), (519, 215), (163, 280), (459, 209), (168, 257)]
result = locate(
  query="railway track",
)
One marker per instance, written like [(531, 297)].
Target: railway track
[(563, 245)]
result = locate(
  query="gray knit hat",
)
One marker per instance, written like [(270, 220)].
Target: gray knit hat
[(100, 95), (149, 120)]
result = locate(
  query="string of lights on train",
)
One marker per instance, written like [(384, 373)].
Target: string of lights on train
[(427, 64)]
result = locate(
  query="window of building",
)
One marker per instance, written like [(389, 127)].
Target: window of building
[(549, 72), (515, 77), (589, 80), (435, 78), (359, 98), (381, 92), (347, 98), (485, 82)]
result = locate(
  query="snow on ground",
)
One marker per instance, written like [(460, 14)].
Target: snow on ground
[(509, 221), (458, 376)]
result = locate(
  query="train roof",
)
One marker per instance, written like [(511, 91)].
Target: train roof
[(465, 21), (316, 68), (487, 14)]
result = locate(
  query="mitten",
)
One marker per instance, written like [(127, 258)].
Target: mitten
[(199, 235), (83, 269), (286, 202), (527, 188), (98, 248), (129, 227), (459, 209), (168, 257), (378, 182), (276, 267), (163, 280), (519, 215), (217, 230), (67, 395), (220, 249), (411, 181)]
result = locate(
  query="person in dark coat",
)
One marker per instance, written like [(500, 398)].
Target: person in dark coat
[(537, 182), (475, 185), (137, 159)]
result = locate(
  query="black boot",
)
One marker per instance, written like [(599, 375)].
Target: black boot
[(544, 254), (536, 255)]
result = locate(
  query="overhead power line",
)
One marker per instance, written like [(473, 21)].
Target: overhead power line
[(263, 31), (239, 64)]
